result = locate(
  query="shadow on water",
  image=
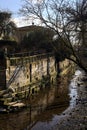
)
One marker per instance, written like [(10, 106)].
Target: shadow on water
[(46, 107)]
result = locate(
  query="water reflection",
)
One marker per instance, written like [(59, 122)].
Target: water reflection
[(73, 92), (48, 125), (73, 88), (45, 108)]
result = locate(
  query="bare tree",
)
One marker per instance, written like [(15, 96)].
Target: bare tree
[(67, 18)]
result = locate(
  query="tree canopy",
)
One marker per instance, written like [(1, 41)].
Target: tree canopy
[(40, 39), (6, 25)]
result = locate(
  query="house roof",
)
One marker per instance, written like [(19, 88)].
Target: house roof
[(31, 28)]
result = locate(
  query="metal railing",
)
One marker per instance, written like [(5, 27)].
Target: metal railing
[(15, 73)]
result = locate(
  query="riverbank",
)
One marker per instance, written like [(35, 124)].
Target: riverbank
[(76, 117), (62, 106)]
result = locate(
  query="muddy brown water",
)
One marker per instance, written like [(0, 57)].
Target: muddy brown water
[(46, 108)]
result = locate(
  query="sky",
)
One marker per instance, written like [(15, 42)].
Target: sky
[(12, 5)]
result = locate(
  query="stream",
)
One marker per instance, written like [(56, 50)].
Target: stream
[(47, 107)]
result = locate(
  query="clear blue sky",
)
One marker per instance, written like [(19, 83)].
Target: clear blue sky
[(12, 5)]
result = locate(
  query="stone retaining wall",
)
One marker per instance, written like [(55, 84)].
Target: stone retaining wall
[(30, 70), (25, 75)]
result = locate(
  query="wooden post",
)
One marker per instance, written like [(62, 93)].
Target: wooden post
[(48, 64), (30, 68)]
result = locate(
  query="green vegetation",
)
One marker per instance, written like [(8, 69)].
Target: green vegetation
[(10, 45), (61, 50), (6, 25)]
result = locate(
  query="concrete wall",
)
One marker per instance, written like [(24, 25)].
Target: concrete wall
[(64, 64), (22, 76), (22, 72)]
